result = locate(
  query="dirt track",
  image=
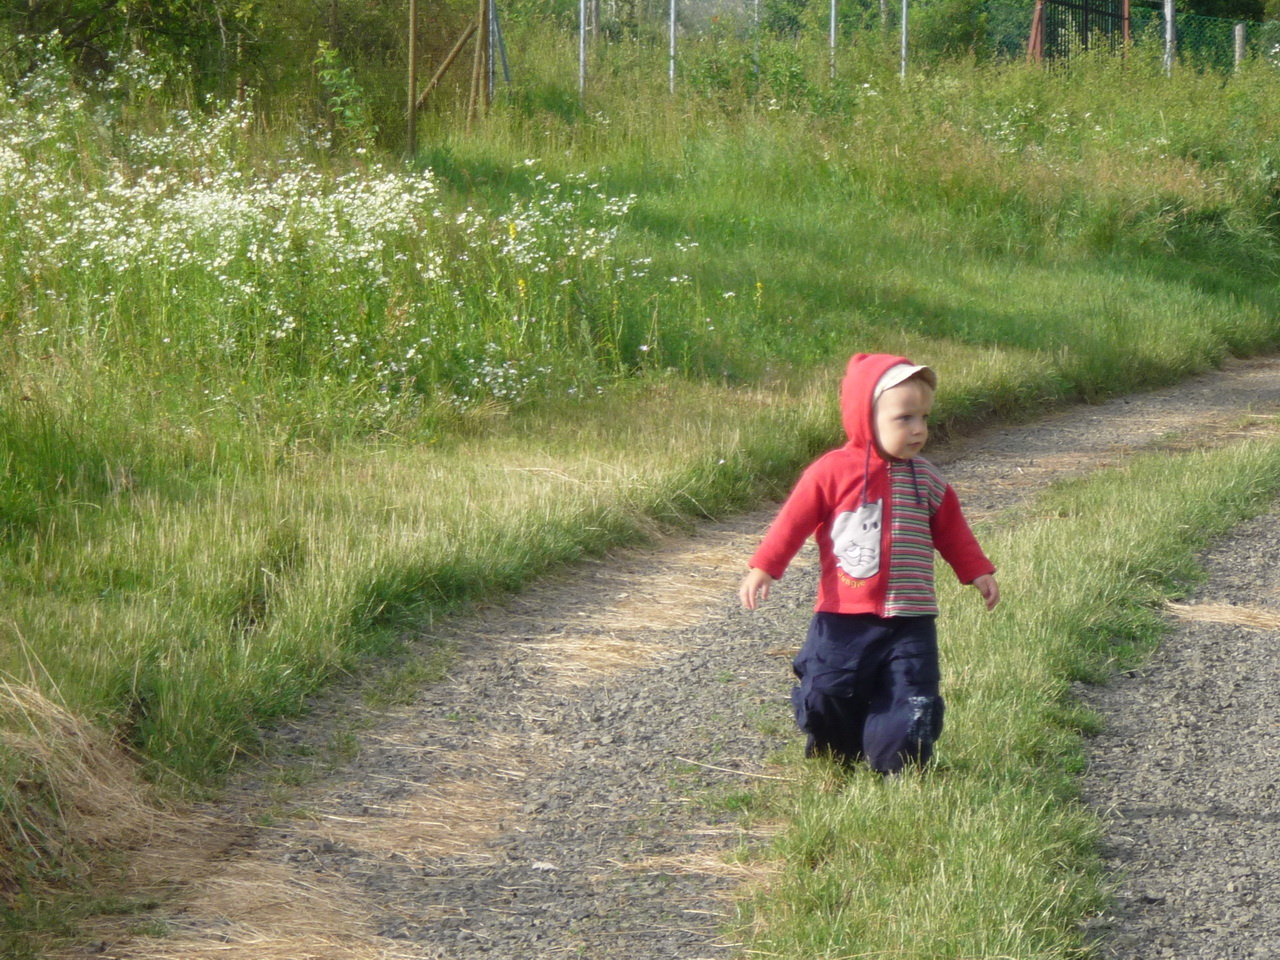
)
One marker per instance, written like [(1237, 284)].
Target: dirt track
[(543, 801)]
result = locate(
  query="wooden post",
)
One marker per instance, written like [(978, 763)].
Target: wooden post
[(475, 82), (478, 70), (241, 90), (489, 74), (412, 135), (485, 42), (448, 62)]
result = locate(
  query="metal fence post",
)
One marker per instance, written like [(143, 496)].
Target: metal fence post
[(582, 48), (412, 132), (671, 70), (833, 39), (1170, 37), (1240, 47), (902, 72)]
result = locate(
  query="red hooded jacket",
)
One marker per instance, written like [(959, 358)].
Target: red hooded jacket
[(847, 498)]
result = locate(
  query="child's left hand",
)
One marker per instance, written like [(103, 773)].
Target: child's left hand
[(989, 589)]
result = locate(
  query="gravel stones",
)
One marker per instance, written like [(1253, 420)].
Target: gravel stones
[(1187, 773)]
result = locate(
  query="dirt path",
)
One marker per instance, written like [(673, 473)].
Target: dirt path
[(569, 790)]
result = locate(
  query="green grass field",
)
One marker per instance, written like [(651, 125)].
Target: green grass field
[(267, 404)]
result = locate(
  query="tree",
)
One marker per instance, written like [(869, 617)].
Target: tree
[(204, 35)]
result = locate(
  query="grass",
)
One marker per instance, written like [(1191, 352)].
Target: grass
[(266, 405), (991, 854), (204, 606)]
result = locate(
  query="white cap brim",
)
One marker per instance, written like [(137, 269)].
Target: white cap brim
[(904, 371)]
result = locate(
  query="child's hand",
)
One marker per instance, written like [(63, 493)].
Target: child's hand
[(754, 584), (989, 589)]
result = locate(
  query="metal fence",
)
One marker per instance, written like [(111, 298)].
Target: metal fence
[(1059, 27), (751, 45), (1041, 29)]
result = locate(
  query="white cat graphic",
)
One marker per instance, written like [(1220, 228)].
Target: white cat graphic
[(855, 540)]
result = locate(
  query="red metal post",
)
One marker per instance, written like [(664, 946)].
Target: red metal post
[(1035, 43)]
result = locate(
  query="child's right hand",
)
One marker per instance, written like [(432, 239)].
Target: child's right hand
[(754, 585)]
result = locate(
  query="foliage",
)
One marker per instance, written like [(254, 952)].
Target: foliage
[(949, 28), (786, 18), (344, 97), (205, 36), (1236, 10)]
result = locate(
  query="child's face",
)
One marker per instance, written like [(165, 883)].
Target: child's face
[(901, 418)]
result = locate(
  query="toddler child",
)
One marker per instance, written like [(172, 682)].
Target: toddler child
[(868, 669)]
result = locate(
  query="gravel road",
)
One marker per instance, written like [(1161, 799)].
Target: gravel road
[(549, 798), (1188, 771)]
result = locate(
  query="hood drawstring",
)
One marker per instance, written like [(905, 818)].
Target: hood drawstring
[(915, 479), (866, 475)]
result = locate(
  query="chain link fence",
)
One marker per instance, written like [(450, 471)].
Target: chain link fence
[(1213, 43), (1071, 25), (934, 28), (559, 53)]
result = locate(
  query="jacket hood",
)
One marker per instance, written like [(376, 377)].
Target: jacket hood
[(857, 394)]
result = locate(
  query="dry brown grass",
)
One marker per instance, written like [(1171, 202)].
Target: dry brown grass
[(447, 818), (84, 804), (247, 909), (709, 864), (718, 858), (624, 607), (582, 660), (1255, 618), (80, 793)]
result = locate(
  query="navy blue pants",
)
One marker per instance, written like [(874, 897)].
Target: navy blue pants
[(869, 689)]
